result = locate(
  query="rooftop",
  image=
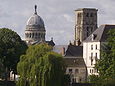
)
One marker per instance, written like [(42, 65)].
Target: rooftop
[(100, 34)]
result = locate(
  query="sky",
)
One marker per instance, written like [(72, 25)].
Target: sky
[(58, 15)]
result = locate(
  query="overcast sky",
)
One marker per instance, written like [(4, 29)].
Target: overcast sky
[(58, 15)]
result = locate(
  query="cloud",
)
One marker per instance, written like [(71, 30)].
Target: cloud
[(58, 15)]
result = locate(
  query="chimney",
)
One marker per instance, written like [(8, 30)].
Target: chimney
[(77, 42), (63, 51)]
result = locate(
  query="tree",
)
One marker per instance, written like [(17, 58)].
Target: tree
[(11, 47), (106, 64), (40, 66)]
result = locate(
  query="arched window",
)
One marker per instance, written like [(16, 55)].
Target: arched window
[(30, 35), (87, 31)]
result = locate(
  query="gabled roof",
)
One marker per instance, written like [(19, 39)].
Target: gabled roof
[(100, 34), (76, 51)]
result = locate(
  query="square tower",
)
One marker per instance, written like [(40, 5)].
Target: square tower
[(85, 23)]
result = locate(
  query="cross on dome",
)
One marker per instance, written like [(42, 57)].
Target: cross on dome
[(35, 9)]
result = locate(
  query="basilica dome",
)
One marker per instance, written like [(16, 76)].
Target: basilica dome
[(35, 29), (35, 20)]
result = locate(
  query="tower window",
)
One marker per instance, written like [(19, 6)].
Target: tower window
[(87, 31), (79, 14), (91, 29), (87, 15), (91, 15)]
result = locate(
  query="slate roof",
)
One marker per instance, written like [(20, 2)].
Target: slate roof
[(74, 62), (100, 34), (74, 51), (73, 55)]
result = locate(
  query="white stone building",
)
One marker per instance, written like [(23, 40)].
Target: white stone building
[(92, 47)]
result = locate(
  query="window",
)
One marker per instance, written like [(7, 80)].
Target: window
[(91, 54), (92, 61), (87, 31), (95, 56), (96, 46), (30, 35), (91, 58), (87, 15), (95, 70), (91, 29), (90, 70), (76, 71), (70, 70), (79, 14), (91, 47), (91, 15)]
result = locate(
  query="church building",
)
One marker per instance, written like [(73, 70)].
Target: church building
[(35, 30)]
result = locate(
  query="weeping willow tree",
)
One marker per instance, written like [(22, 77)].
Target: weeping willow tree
[(40, 66)]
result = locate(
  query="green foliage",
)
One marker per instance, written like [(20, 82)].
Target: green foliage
[(93, 78), (11, 47), (66, 80), (106, 64), (40, 66)]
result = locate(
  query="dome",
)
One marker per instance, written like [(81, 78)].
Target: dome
[(35, 29), (35, 20)]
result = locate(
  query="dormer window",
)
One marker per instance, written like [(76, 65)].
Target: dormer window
[(93, 36)]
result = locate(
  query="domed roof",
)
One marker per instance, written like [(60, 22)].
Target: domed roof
[(35, 20)]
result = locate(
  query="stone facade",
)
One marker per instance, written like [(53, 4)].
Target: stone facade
[(85, 23)]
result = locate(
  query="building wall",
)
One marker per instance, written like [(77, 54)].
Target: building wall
[(77, 74), (76, 68), (91, 53)]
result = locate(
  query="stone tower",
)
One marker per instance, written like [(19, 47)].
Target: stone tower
[(85, 23), (35, 29)]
